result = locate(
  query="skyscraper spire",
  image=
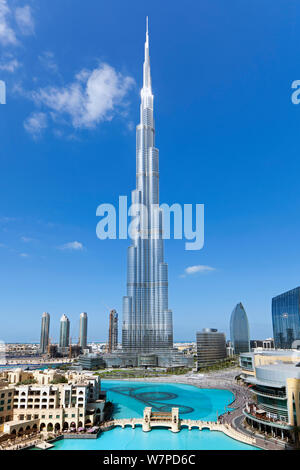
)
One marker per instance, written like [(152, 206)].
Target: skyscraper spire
[(147, 75), (147, 320)]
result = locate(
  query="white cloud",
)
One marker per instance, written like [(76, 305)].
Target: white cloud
[(27, 239), (197, 269), (7, 34), (25, 20), (92, 97), (24, 255), (9, 64), (7, 220), (47, 61), (72, 246), (35, 124)]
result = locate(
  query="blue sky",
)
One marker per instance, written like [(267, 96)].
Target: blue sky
[(228, 136)]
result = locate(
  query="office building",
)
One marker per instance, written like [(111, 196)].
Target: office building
[(239, 330), (44, 342), (286, 319), (83, 322), (91, 361), (64, 336), (211, 347)]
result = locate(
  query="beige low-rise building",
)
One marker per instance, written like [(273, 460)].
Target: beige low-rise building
[(51, 400), (6, 404)]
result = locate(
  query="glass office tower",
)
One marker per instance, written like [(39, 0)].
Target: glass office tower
[(64, 337), (147, 321), (83, 330), (239, 330), (211, 347), (44, 342), (286, 319)]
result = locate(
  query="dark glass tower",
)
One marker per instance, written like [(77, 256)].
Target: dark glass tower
[(211, 347), (44, 342), (239, 330), (83, 330), (64, 335), (286, 318), (147, 321)]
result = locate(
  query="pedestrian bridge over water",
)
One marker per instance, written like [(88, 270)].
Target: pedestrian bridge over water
[(172, 421)]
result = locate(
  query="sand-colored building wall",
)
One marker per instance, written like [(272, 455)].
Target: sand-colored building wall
[(6, 405), (265, 359)]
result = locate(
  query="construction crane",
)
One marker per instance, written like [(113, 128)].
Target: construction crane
[(70, 348), (49, 346)]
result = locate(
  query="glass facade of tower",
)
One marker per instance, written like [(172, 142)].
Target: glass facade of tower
[(83, 330), (211, 347), (286, 319), (147, 320), (64, 337), (239, 330), (44, 342)]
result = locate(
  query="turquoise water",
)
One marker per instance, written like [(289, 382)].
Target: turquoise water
[(156, 439), (130, 399), (29, 366)]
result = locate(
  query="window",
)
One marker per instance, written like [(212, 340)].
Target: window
[(1, 408)]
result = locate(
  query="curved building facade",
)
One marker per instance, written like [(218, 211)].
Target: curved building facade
[(239, 330), (211, 347), (147, 320)]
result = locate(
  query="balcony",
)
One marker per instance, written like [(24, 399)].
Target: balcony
[(279, 396), (260, 416)]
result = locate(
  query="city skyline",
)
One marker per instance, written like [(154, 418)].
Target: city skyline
[(225, 121)]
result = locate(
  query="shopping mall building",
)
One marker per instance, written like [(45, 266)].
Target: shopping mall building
[(274, 380)]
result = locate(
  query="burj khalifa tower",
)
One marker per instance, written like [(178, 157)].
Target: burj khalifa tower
[(147, 321)]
